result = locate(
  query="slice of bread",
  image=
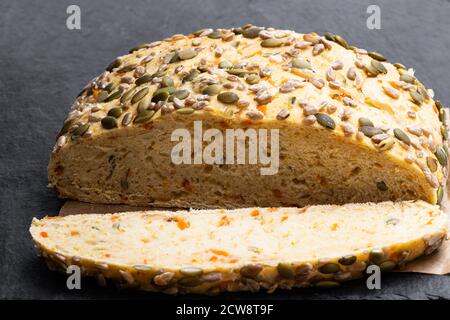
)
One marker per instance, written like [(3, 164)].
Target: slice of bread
[(209, 251)]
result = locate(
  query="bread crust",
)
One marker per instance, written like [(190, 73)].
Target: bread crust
[(323, 76)]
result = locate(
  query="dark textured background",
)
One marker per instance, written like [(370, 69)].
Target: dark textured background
[(43, 65)]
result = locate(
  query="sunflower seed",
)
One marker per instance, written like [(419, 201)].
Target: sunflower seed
[(283, 114), (126, 119), (416, 97), (163, 279), (318, 83), (391, 92), (331, 76), (255, 114), (337, 65), (318, 49)]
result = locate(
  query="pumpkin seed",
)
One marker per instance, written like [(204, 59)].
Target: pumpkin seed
[(376, 256), (286, 270), (329, 268), (347, 260), (402, 136), (180, 94), (212, 90), (237, 72), (144, 79), (187, 54), (80, 131), (189, 282), (442, 115), (127, 95), (370, 131), (438, 104), (341, 41), (185, 111), (326, 284), (139, 95), (102, 96), (115, 64), (432, 164), (379, 66), (141, 46), (387, 265), (365, 122), (376, 56), (190, 77), (109, 122), (416, 96), (444, 132), (329, 36), (215, 35), (440, 194), (144, 116), (167, 82), (271, 43), (65, 128), (407, 78), (325, 120), (370, 70), (160, 96), (399, 66), (115, 112), (392, 221), (441, 156), (228, 97), (251, 32), (252, 79), (191, 271), (110, 87), (301, 64), (113, 96), (225, 64)]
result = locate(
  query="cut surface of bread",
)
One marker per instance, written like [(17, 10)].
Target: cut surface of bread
[(208, 251), (352, 127)]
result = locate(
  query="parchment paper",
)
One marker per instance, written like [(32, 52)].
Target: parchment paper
[(436, 263)]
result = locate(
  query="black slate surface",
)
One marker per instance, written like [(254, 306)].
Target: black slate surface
[(43, 65)]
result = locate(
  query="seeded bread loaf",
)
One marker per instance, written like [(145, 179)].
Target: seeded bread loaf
[(352, 127), (208, 251)]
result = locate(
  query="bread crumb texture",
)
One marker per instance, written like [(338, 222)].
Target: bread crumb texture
[(209, 251)]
